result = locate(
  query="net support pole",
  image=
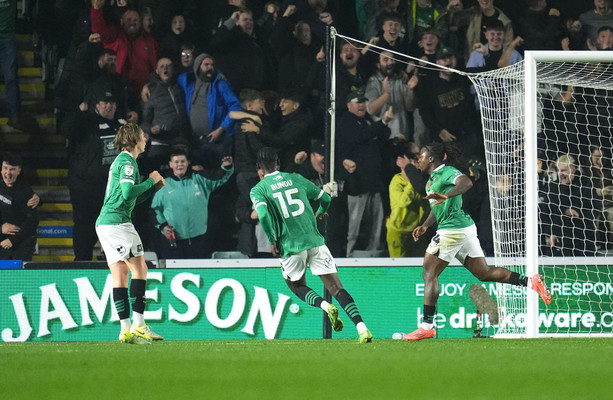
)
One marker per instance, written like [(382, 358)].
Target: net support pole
[(530, 154), (328, 120)]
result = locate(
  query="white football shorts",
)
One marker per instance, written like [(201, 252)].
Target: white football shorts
[(319, 259), (119, 242), (458, 243)]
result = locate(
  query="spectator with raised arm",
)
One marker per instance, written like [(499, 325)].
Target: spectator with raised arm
[(293, 45), (476, 19), (390, 38), (388, 87), (312, 166), (293, 133), (91, 151), (359, 139), (108, 80), (408, 206), (493, 54), (137, 51), (182, 208)]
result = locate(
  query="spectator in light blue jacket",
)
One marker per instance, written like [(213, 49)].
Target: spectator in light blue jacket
[(493, 55), (181, 208), (209, 99)]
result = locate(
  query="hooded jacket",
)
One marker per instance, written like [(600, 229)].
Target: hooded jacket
[(220, 97)]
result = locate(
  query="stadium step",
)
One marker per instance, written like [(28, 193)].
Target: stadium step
[(55, 228), (55, 194), (28, 91), (55, 242), (37, 136), (31, 72), (57, 257), (26, 58)]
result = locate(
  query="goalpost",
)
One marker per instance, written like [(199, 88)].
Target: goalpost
[(556, 108), (553, 108)]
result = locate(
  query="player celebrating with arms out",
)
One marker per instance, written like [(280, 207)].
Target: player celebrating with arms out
[(281, 201), (456, 235), (118, 238)]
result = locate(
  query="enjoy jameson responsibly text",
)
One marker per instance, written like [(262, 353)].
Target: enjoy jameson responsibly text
[(53, 306)]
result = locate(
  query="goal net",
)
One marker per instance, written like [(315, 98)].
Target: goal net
[(548, 132), (547, 128)]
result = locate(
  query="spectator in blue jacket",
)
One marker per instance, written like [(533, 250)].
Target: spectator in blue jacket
[(182, 206), (211, 99)]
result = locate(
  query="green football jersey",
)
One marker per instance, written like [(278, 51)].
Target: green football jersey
[(117, 209), (449, 214), (289, 221)]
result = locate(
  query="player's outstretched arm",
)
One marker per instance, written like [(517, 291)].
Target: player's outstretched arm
[(462, 185)]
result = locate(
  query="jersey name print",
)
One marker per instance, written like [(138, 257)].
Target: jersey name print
[(286, 198)]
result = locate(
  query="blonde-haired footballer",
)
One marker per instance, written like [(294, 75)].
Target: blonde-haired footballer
[(120, 241)]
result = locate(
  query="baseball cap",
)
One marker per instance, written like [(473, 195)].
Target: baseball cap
[(444, 52), (356, 96), (106, 96), (319, 147)]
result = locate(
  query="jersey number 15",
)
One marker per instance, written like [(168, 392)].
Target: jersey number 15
[(289, 200)]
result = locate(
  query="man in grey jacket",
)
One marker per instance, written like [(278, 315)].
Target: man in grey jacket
[(164, 114)]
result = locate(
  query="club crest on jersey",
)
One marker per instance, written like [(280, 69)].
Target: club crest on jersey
[(129, 170)]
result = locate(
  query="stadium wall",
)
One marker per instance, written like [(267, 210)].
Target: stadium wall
[(248, 299)]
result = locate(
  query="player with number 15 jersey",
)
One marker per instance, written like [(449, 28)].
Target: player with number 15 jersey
[(292, 225), (281, 201)]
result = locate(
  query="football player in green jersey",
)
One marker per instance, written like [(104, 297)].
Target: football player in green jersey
[(118, 238), (456, 235), (281, 201)]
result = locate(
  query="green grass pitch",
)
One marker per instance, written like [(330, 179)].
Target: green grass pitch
[(565, 368)]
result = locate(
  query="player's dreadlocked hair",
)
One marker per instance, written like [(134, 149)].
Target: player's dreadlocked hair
[(448, 153), (268, 159)]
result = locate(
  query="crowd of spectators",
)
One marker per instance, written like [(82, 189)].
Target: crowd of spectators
[(226, 77)]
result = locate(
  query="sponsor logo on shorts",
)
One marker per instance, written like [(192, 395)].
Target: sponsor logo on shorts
[(121, 250), (139, 248)]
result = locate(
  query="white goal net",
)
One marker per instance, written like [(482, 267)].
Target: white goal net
[(548, 131), (547, 126)]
